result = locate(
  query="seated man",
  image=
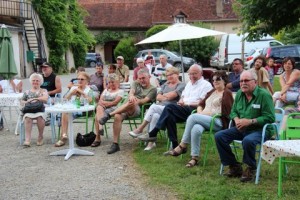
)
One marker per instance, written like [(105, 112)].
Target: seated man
[(252, 108), (234, 76), (140, 93), (193, 93)]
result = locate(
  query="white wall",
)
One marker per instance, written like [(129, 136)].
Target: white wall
[(16, 46)]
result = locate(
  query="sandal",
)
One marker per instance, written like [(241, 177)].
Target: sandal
[(182, 150), (192, 163), (96, 144), (64, 136), (59, 143), (26, 144)]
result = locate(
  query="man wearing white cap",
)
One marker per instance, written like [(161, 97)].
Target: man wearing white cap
[(140, 65), (122, 70)]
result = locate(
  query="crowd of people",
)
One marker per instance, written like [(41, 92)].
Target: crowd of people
[(246, 97)]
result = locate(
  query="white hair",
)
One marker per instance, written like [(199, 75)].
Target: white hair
[(38, 76)]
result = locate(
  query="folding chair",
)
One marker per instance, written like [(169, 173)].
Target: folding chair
[(292, 131), (237, 144)]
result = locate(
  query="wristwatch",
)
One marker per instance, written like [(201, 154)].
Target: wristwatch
[(252, 121)]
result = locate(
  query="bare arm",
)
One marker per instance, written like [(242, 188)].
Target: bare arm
[(294, 77), (57, 86)]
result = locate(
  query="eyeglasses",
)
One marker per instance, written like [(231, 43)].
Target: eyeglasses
[(217, 79), (193, 74), (81, 79), (246, 80)]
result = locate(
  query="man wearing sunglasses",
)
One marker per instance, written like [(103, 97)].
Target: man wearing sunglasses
[(234, 76), (252, 108)]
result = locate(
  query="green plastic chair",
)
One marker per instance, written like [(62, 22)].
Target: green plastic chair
[(292, 131)]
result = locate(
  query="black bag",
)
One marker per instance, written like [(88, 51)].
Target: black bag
[(85, 140), (33, 106)]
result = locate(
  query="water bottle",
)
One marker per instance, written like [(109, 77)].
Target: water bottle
[(77, 102), (91, 94)]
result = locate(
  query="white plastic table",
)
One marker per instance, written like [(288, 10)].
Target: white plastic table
[(280, 148), (10, 100), (70, 109)]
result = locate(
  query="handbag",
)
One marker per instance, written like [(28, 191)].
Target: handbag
[(86, 139), (33, 106)]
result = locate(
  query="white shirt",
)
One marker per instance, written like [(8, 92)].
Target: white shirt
[(6, 85), (192, 93)]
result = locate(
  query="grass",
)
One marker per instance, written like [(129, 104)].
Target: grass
[(204, 182)]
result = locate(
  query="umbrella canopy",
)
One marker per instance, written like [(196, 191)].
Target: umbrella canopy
[(180, 31), (8, 67)]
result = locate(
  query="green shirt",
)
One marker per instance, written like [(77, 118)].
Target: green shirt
[(260, 107), (141, 92)]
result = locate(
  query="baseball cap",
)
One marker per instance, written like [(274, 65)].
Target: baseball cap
[(139, 60), (46, 64), (120, 58)]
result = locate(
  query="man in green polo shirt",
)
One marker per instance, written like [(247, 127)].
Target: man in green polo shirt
[(252, 108)]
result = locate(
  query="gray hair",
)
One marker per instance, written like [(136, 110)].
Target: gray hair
[(197, 66), (38, 76), (143, 71), (163, 55), (112, 77), (252, 73)]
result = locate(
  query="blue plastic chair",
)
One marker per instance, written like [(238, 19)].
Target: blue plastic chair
[(237, 144)]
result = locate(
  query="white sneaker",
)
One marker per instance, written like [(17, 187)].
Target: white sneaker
[(150, 147), (134, 135)]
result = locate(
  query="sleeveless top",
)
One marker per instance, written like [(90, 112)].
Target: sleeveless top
[(296, 85), (49, 83)]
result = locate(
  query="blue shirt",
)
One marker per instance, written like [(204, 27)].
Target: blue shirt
[(234, 79)]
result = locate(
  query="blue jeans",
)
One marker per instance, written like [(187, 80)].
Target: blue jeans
[(172, 114), (195, 125), (249, 141)]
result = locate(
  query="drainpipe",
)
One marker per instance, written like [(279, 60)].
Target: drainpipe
[(23, 37)]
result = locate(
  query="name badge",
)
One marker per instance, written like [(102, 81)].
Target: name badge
[(256, 106)]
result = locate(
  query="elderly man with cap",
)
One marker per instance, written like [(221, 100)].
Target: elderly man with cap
[(52, 82), (122, 70), (140, 65)]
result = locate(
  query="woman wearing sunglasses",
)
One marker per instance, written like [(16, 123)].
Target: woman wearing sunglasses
[(218, 101), (81, 90)]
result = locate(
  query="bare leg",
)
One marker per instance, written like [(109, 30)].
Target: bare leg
[(28, 129), (64, 126), (41, 126), (124, 108), (99, 115), (117, 127), (141, 127)]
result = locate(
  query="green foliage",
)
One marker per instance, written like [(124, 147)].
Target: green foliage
[(199, 49), (267, 17), (64, 29), (292, 35), (107, 36), (153, 30), (127, 49)]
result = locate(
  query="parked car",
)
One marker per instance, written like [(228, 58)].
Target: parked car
[(92, 58), (251, 56), (214, 60), (280, 52), (173, 58), (231, 47)]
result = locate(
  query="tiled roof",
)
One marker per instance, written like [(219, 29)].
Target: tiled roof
[(142, 14)]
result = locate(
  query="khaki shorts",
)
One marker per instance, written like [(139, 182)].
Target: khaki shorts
[(137, 112)]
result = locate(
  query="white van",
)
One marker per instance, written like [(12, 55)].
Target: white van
[(231, 48)]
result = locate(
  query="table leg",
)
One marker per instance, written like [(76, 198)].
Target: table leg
[(71, 151)]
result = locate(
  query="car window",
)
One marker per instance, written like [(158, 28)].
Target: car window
[(274, 43)]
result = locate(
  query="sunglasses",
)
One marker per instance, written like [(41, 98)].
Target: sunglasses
[(81, 79), (246, 80), (217, 79)]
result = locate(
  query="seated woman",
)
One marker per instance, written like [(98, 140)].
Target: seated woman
[(35, 93), (11, 86), (218, 101), (289, 82), (82, 90), (108, 102), (170, 93)]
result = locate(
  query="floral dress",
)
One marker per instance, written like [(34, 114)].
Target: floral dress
[(30, 95)]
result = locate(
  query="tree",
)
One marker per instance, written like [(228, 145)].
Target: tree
[(127, 49), (262, 17)]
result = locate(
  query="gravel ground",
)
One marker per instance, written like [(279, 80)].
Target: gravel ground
[(31, 173)]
